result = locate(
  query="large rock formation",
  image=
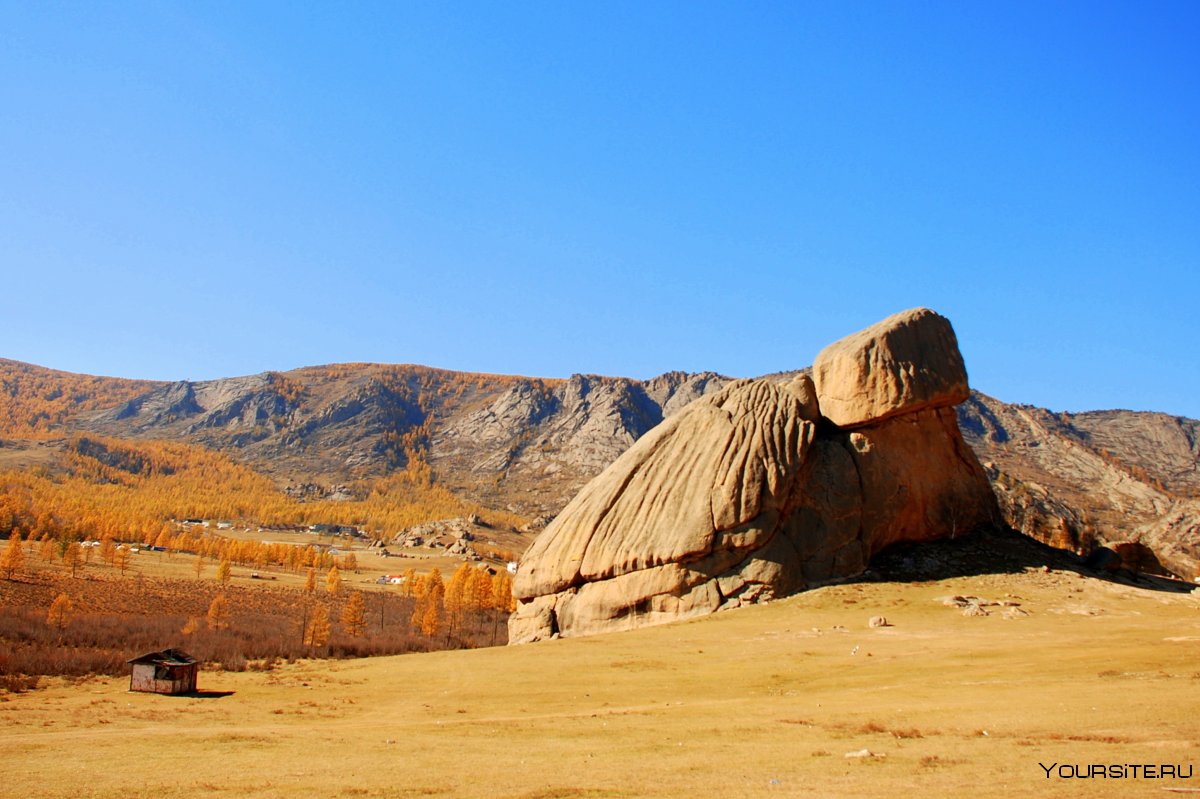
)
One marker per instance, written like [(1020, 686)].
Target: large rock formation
[(756, 491)]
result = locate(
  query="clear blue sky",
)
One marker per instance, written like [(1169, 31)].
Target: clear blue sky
[(199, 189)]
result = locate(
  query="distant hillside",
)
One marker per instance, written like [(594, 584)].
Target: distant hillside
[(516, 442), (1073, 480), (36, 402), (528, 444), (523, 443)]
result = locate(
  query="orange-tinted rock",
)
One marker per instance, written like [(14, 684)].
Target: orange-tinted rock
[(745, 496), (920, 480), (704, 488), (907, 362)]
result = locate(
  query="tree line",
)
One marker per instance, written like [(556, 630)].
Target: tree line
[(130, 491)]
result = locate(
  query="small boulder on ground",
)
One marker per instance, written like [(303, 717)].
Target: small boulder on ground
[(863, 754)]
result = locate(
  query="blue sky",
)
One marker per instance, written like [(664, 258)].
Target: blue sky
[(199, 190)]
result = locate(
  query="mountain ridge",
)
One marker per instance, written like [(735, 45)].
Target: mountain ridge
[(1078, 481)]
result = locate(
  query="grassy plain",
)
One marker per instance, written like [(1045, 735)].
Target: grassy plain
[(762, 701)]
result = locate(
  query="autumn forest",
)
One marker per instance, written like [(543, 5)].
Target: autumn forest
[(74, 506)]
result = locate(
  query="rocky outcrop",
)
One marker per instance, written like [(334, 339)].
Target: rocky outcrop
[(161, 406), (540, 441), (754, 492), (236, 403), (907, 362), (1170, 543)]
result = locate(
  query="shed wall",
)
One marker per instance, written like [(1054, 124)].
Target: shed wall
[(163, 680), (142, 678)]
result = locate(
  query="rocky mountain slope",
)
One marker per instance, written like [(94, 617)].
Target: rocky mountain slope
[(1124, 480), (522, 443), (534, 445), (529, 444)]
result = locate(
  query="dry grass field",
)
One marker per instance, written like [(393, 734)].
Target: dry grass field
[(254, 618), (763, 701)]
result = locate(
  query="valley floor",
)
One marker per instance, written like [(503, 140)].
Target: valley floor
[(763, 701)]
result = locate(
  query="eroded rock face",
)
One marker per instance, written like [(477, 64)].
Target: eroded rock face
[(752, 493), (905, 363), (694, 485)]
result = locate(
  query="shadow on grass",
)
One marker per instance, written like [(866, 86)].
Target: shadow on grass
[(1004, 551), (208, 694)]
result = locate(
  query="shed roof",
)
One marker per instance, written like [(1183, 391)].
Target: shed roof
[(167, 657)]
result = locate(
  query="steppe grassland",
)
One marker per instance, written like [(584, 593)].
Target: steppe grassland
[(764, 701)]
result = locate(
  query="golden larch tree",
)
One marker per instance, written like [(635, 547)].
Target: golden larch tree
[(121, 558), (354, 615), (479, 596), (223, 570), (14, 556), (503, 602), (409, 585), (61, 610), (457, 598), (310, 580), (502, 596), (316, 632), (427, 613), (218, 613), (73, 557), (164, 538), (333, 580), (431, 617)]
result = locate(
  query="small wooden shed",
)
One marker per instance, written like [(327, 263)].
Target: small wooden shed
[(171, 671)]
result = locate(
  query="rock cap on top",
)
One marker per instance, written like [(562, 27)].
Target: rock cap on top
[(905, 363)]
